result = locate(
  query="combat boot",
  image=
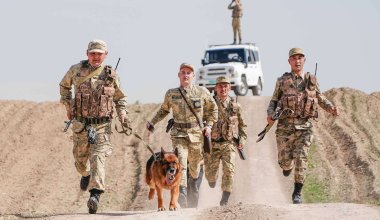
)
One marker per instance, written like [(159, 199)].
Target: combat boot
[(212, 184), (193, 193), (84, 181), (296, 196), (93, 201), (286, 172), (225, 197), (182, 199), (234, 41)]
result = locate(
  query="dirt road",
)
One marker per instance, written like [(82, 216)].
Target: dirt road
[(38, 177)]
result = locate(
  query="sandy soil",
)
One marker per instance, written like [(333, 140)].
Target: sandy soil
[(39, 180)]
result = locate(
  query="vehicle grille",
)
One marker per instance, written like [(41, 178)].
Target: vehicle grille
[(216, 72)]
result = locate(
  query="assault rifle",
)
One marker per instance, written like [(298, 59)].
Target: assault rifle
[(68, 123), (276, 116)]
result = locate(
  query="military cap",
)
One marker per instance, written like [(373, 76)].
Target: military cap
[(223, 79), (295, 51), (98, 46), (186, 65)]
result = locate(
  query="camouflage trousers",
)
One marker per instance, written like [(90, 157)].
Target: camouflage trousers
[(188, 151), (236, 27), (293, 148), (90, 159), (224, 152)]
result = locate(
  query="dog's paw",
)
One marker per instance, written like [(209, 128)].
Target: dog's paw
[(173, 208), (161, 209)]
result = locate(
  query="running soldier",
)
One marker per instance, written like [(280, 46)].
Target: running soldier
[(96, 90), (297, 97), (194, 113), (228, 134)]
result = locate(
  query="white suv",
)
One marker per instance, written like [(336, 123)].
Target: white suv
[(240, 62)]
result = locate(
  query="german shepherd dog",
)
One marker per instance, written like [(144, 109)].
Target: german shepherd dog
[(164, 173)]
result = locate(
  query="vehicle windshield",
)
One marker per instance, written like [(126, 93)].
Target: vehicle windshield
[(224, 56)]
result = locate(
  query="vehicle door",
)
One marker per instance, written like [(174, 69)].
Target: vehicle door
[(251, 70)]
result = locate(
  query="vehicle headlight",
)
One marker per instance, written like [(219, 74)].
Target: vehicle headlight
[(231, 70)]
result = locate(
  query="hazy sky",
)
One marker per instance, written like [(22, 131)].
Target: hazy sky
[(41, 39)]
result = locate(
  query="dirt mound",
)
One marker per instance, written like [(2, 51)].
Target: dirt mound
[(349, 147), (38, 177), (37, 167)]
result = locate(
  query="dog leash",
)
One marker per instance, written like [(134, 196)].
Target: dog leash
[(147, 145)]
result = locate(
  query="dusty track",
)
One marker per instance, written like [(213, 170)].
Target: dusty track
[(38, 177)]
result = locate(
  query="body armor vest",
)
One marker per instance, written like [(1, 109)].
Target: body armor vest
[(303, 103), (95, 99), (227, 126)]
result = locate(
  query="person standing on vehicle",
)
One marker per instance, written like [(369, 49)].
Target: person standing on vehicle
[(96, 89), (237, 13), (297, 96), (187, 133), (228, 134)]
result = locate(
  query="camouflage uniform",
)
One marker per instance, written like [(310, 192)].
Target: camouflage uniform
[(93, 104), (237, 13), (225, 133), (294, 130), (186, 133)]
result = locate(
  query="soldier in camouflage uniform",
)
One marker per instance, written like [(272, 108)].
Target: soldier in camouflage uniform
[(298, 94), (96, 89), (227, 134), (237, 13), (187, 133)]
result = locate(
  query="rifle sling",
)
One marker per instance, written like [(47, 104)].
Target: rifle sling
[(92, 74), (191, 109)]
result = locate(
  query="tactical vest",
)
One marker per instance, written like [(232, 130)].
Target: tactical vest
[(95, 101), (227, 125), (303, 103)]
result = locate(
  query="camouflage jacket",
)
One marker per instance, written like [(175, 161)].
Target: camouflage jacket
[(237, 9), (202, 103), (289, 84), (230, 122), (99, 92)]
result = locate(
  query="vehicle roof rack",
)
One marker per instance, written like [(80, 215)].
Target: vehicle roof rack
[(216, 45)]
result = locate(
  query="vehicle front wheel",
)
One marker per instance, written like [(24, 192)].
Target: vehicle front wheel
[(256, 90), (243, 88)]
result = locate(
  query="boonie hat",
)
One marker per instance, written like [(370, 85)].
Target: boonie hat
[(186, 65), (223, 79), (98, 46), (295, 51)]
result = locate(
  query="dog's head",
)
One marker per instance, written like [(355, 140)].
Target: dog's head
[(170, 165)]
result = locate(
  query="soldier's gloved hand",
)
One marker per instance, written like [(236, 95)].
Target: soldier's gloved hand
[(150, 127), (334, 111)]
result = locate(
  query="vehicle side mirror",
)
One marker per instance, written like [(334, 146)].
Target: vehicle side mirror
[(203, 62)]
